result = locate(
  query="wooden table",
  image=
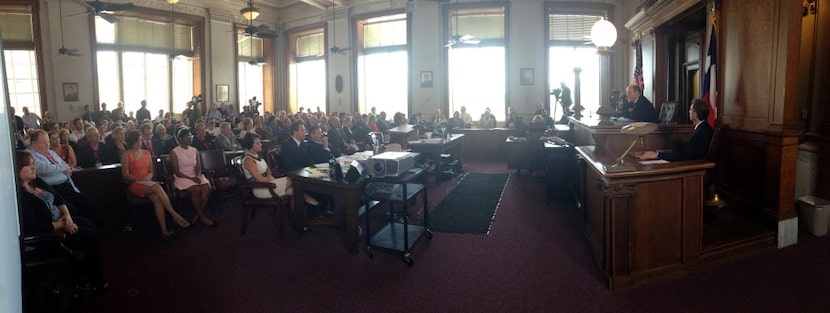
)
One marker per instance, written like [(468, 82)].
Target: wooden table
[(303, 182), (434, 149)]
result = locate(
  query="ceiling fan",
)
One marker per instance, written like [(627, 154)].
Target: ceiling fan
[(104, 9), (335, 49), (260, 31), (63, 50), (458, 38)]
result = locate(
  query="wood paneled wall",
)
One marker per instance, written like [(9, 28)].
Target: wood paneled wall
[(759, 45)]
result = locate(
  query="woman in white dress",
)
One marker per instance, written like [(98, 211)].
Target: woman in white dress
[(252, 163), (187, 175)]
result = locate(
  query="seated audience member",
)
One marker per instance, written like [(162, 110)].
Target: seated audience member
[(360, 131), (158, 119), (455, 121), (257, 169), (187, 175), (262, 130), (383, 124), (57, 173), (137, 170), (338, 140), (293, 155), (60, 144), (202, 140), (373, 123), (226, 140), (162, 141), (115, 146), (640, 109), (246, 127), (399, 119), (698, 143), (468, 120), (91, 150), (42, 211), (317, 147), (487, 120), (513, 119), (438, 118)]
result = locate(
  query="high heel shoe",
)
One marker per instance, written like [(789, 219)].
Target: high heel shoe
[(182, 223)]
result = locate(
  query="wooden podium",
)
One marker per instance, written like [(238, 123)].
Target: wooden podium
[(642, 223)]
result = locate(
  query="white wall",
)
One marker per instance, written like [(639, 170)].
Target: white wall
[(10, 281)]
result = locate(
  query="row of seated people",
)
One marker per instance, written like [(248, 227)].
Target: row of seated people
[(51, 204)]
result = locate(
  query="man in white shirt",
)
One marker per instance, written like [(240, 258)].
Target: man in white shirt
[(76, 130), (465, 117), (31, 120)]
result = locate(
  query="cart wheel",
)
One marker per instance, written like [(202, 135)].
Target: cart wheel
[(408, 259), (428, 234), (370, 252)]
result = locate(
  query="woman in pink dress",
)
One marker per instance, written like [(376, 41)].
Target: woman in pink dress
[(187, 175)]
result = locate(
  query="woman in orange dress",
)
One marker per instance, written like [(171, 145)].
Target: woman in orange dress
[(137, 170)]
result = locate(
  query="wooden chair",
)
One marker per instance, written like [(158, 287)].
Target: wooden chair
[(52, 275), (223, 182), (710, 175), (279, 204)]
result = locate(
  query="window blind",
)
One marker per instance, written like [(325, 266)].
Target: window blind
[(570, 27), (481, 26), (16, 27), (249, 48), (138, 33), (384, 33), (311, 45)]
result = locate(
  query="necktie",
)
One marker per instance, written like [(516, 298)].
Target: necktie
[(51, 159)]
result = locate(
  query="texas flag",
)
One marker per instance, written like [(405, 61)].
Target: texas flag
[(710, 81)]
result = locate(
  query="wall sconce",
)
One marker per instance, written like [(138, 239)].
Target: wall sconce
[(603, 34), (172, 1)]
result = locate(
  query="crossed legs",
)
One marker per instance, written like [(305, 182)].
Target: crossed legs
[(161, 203)]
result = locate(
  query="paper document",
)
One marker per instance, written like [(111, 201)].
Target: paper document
[(147, 182), (649, 162)]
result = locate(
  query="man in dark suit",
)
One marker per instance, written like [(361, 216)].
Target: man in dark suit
[(201, 139), (317, 147), (699, 142), (292, 154), (641, 110), (339, 142), (143, 114)]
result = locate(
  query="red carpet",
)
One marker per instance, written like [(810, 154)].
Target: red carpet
[(535, 259)]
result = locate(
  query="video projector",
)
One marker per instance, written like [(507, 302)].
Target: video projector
[(392, 163)]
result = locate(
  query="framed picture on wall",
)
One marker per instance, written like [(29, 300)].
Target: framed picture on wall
[(70, 92), (526, 76), (426, 79), (222, 93)]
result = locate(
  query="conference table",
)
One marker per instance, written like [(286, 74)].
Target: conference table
[(434, 148)]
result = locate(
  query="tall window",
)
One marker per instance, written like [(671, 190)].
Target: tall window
[(476, 61), (21, 61), (250, 58), (151, 60), (307, 70), (382, 64), (569, 48)]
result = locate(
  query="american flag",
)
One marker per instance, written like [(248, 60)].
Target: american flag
[(638, 65)]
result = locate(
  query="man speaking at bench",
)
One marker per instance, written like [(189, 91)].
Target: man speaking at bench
[(699, 142)]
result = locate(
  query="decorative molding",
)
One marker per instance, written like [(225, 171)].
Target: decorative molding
[(221, 16), (616, 191)]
